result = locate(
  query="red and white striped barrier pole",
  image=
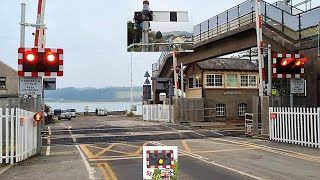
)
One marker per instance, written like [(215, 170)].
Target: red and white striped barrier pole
[(40, 31), (260, 47)]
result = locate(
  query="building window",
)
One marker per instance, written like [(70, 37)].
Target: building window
[(242, 109), (232, 80), (191, 82), (221, 110), (195, 82), (2, 83), (214, 80), (248, 81)]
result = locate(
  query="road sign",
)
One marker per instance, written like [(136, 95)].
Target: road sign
[(147, 74), (297, 86), (274, 92), (49, 84), (30, 85)]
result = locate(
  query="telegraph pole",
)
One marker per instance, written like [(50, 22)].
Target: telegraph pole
[(145, 23)]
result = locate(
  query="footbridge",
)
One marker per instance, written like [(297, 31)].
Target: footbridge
[(285, 28)]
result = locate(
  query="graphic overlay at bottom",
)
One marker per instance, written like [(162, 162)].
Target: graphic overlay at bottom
[(160, 162)]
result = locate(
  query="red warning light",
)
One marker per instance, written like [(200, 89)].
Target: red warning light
[(287, 61), (51, 57), (301, 61), (30, 56)]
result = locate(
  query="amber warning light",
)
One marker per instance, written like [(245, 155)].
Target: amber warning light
[(37, 117)]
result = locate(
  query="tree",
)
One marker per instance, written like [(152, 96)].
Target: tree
[(134, 33), (158, 35)]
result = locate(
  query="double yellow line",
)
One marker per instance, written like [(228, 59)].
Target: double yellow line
[(106, 169)]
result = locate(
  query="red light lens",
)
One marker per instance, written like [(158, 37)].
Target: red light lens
[(284, 63), (51, 57), (30, 56)]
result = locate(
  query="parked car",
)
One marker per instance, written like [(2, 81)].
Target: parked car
[(65, 115), (102, 112), (56, 112), (73, 112)]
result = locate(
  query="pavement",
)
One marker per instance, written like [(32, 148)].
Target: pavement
[(111, 148)]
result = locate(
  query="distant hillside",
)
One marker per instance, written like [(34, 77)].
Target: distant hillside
[(108, 94), (177, 33)]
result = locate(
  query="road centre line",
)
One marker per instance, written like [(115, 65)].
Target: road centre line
[(214, 163)]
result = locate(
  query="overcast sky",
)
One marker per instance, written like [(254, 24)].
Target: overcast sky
[(93, 36)]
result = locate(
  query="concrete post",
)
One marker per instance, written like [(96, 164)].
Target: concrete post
[(265, 116), (255, 111)]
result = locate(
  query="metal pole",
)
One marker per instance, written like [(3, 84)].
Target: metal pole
[(38, 126), (259, 45), (131, 85), (182, 81), (269, 70), (22, 23), (175, 74), (319, 39)]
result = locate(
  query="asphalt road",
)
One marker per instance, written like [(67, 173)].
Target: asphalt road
[(111, 148)]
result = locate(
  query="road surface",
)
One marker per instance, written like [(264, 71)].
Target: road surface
[(111, 148)]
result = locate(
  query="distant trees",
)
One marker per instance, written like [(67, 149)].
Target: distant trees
[(158, 35), (134, 33)]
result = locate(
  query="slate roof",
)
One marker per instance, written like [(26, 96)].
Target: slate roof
[(228, 64)]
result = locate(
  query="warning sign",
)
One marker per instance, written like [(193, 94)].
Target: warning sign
[(30, 85), (297, 86)]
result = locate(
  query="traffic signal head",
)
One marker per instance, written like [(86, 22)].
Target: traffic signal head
[(288, 65), (40, 62), (37, 117)]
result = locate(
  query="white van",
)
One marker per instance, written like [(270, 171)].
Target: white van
[(73, 112), (102, 112)]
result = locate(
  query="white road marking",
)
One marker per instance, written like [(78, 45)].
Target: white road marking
[(6, 168), (90, 170), (48, 147), (189, 131), (201, 158), (63, 125), (48, 142), (217, 133)]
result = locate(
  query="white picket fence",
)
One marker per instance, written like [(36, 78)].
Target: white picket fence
[(18, 137), (295, 125), (158, 112)]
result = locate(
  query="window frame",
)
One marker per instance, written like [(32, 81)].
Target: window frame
[(214, 85), (242, 109), (196, 83), (248, 85), (237, 81), (3, 79), (221, 110)]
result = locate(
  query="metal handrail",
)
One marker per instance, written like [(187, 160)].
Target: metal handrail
[(230, 18)]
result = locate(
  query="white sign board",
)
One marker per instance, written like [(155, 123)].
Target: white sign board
[(30, 85), (297, 86), (49, 84)]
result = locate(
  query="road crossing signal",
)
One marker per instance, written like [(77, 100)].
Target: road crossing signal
[(288, 65), (37, 117), (40, 62)]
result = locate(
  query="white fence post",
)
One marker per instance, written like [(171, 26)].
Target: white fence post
[(318, 123), (295, 126), (12, 147)]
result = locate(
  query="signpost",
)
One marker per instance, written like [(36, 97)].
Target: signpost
[(297, 86), (30, 86), (49, 84)]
